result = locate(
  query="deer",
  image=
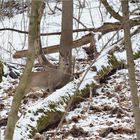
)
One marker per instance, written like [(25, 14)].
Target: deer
[(53, 78), (49, 80), (43, 80)]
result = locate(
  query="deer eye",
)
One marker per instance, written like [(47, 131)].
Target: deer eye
[(48, 90)]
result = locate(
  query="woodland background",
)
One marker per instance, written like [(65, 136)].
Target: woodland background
[(90, 53)]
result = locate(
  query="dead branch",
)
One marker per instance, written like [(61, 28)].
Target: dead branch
[(103, 29), (52, 49)]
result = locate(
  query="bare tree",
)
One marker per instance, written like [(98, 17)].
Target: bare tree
[(131, 67), (66, 42), (63, 72), (20, 91)]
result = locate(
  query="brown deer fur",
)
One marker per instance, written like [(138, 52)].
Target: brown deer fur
[(49, 80)]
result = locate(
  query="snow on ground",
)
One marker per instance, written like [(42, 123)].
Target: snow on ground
[(108, 116)]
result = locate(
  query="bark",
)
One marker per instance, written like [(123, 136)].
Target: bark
[(39, 52), (1, 71), (114, 14), (131, 67), (20, 91), (111, 11), (66, 42)]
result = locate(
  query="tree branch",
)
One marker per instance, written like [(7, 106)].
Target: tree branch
[(53, 49), (74, 31), (111, 11), (105, 28), (117, 16)]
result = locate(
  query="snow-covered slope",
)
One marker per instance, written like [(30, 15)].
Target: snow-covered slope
[(108, 115)]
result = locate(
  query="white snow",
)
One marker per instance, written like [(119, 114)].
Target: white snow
[(91, 120)]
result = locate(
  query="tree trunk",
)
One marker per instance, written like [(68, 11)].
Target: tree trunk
[(20, 91), (39, 51), (131, 67), (66, 42), (59, 77)]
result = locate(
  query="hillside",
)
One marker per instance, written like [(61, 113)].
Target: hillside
[(105, 112)]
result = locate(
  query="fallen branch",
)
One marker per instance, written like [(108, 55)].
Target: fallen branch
[(53, 49), (105, 28)]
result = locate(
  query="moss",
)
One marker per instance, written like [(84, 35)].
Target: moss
[(84, 93), (48, 119), (32, 131), (112, 60), (114, 64), (65, 99), (40, 110), (53, 106), (136, 55), (43, 121)]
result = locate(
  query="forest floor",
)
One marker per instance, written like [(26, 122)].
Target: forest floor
[(107, 116)]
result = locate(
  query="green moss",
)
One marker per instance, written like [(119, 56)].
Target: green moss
[(84, 93), (32, 131), (44, 121), (112, 60), (40, 110), (113, 64), (136, 55), (53, 106), (65, 99)]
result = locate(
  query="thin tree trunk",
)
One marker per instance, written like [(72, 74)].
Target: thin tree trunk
[(66, 42), (39, 51), (131, 67), (59, 77), (20, 91)]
